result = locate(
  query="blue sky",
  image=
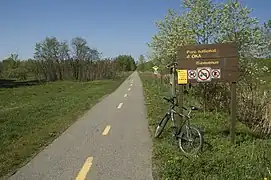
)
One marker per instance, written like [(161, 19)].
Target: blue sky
[(112, 26)]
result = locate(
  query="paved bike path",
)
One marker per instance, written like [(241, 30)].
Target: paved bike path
[(82, 151)]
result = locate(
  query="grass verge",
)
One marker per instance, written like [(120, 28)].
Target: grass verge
[(32, 117), (249, 159)]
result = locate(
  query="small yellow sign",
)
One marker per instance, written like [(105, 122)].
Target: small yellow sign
[(182, 76)]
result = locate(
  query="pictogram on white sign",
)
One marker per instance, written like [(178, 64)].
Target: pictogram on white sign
[(204, 74), (155, 68), (216, 73), (192, 74)]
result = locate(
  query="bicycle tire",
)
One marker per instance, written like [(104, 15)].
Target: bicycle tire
[(182, 138), (161, 126)]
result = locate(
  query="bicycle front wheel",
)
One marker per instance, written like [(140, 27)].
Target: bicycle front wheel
[(190, 140), (161, 126)]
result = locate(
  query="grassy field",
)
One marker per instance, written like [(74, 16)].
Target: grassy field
[(31, 117), (249, 159)]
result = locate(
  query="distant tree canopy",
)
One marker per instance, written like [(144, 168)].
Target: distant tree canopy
[(144, 65), (126, 62), (55, 60)]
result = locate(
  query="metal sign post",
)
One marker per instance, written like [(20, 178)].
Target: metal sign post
[(173, 86)]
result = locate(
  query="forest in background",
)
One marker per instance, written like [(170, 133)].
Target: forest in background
[(54, 60)]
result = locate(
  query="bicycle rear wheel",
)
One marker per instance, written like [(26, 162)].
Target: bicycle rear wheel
[(161, 126), (190, 140)]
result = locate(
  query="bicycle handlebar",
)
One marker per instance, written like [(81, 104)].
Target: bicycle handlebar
[(171, 100)]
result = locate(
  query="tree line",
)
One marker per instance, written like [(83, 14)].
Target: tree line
[(207, 22), (55, 60)]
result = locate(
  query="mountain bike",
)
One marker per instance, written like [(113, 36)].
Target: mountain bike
[(186, 133)]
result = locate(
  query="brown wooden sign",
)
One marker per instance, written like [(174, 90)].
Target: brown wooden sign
[(209, 62)]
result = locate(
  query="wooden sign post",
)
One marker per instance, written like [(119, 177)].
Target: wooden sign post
[(210, 63), (173, 87)]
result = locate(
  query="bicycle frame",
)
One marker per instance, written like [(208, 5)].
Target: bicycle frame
[(172, 112), (183, 132)]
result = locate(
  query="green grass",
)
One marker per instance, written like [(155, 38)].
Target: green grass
[(31, 117), (248, 159)]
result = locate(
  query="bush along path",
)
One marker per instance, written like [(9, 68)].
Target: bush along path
[(249, 158)]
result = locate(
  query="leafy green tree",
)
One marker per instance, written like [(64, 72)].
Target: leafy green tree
[(132, 64), (10, 66), (83, 57), (266, 29), (173, 32), (237, 26), (141, 63), (202, 20), (81, 52), (63, 56), (125, 62), (47, 52), (141, 59)]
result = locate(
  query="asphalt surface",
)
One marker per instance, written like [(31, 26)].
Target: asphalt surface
[(110, 142)]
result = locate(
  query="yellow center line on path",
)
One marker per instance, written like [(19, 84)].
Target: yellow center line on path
[(120, 105), (106, 130), (83, 172)]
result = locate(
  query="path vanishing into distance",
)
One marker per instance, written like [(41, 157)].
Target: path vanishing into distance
[(110, 142)]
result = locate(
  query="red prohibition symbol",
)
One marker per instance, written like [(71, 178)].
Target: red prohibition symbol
[(216, 73), (204, 74)]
